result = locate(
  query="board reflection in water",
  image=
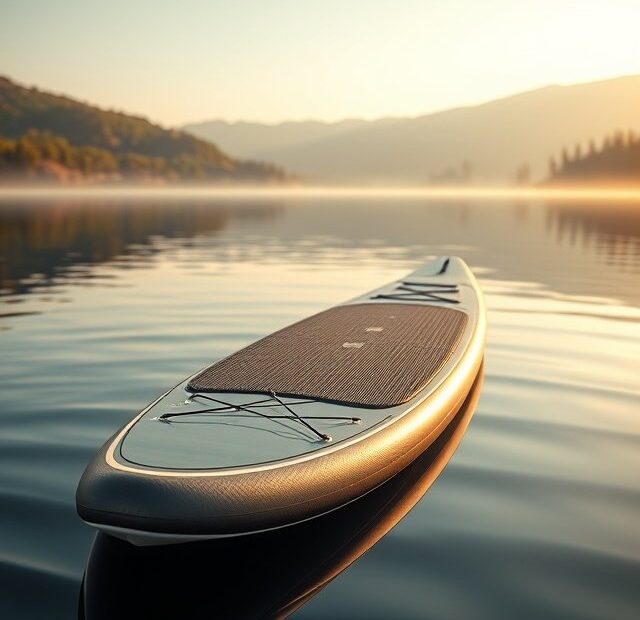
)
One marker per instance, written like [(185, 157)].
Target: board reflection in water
[(266, 575)]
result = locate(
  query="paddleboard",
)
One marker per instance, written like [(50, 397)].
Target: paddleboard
[(299, 423)]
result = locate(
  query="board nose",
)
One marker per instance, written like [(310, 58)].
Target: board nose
[(445, 268)]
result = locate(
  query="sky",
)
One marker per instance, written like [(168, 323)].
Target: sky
[(178, 61)]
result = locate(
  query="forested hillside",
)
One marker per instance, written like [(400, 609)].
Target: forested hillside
[(50, 136), (615, 160)]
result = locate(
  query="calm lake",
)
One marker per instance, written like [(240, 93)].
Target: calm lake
[(104, 304)]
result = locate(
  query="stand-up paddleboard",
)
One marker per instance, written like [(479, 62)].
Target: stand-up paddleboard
[(298, 423)]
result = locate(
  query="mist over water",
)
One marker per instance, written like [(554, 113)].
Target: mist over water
[(105, 303)]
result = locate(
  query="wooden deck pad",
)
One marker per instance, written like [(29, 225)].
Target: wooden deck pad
[(366, 355)]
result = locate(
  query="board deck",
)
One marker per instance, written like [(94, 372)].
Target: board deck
[(364, 355)]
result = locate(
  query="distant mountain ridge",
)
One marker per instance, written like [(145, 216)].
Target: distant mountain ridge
[(249, 137), (41, 132), (490, 142)]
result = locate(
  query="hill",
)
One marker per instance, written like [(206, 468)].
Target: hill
[(482, 143), (244, 139), (43, 134)]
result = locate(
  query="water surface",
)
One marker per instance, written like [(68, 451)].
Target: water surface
[(105, 304)]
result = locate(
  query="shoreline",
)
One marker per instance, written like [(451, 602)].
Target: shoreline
[(268, 192)]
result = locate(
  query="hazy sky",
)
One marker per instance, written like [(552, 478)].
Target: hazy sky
[(185, 60)]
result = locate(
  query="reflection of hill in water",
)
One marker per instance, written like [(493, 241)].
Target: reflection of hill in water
[(42, 242), (575, 249), (612, 230)]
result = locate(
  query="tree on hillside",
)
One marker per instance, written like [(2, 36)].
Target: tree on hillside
[(523, 175)]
